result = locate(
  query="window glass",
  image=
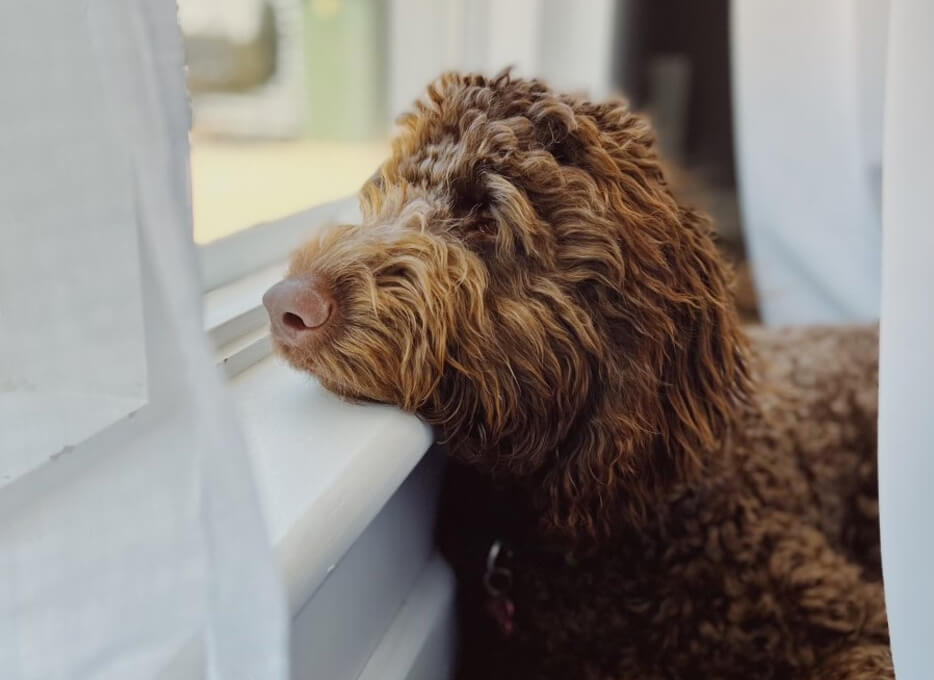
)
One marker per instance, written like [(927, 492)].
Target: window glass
[(288, 103)]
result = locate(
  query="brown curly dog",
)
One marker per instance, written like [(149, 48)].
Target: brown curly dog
[(641, 488)]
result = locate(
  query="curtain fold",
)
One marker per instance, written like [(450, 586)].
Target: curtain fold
[(130, 548)]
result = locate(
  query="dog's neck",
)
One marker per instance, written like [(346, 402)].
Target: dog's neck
[(488, 508), (615, 467), (638, 495)]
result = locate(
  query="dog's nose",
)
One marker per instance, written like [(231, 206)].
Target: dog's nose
[(297, 306)]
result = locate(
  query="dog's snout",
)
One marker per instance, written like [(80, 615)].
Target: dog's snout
[(297, 306)]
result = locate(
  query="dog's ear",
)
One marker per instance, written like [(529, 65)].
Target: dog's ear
[(706, 374), (517, 378), (668, 388)]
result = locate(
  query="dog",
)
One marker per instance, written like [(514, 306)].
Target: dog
[(639, 486)]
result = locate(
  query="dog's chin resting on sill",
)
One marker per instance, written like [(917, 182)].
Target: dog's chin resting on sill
[(639, 487)]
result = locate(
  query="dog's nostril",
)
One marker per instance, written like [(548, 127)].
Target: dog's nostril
[(293, 321), (307, 316), (298, 305)]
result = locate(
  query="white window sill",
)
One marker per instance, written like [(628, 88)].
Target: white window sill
[(324, 471), (324, 467)]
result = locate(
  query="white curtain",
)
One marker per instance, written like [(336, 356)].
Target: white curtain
[(906, 380), (807, 81), (569, 44), (131, 539)]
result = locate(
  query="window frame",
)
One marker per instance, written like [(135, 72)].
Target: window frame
[(233, 257), (237, 269)]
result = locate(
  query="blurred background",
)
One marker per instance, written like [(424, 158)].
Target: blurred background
[(769, 116)]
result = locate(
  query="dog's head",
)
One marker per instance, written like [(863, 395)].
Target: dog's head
[(524, 280)]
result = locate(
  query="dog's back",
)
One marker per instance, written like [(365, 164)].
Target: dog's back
[(818, 397), (768, 566)]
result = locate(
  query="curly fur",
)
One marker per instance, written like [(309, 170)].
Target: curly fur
[(695, 506)]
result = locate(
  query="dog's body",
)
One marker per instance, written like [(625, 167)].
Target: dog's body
[(673, 499), (768, 567)]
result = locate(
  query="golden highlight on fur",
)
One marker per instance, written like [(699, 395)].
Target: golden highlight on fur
[(524, 280)]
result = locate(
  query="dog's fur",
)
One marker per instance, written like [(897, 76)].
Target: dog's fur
[(680, 498)]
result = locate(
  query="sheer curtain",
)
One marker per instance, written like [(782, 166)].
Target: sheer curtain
[(807, 83), (906, 361), (130, 528), (569, 44)]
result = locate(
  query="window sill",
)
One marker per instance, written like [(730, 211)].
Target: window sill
[(324, 468), (236, 322)]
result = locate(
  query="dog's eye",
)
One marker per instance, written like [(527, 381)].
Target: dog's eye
[(567, 151), (394, 272), (470, 196), (563, 145)]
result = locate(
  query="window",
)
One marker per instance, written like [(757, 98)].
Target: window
[(293, 100), (289, 106)]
